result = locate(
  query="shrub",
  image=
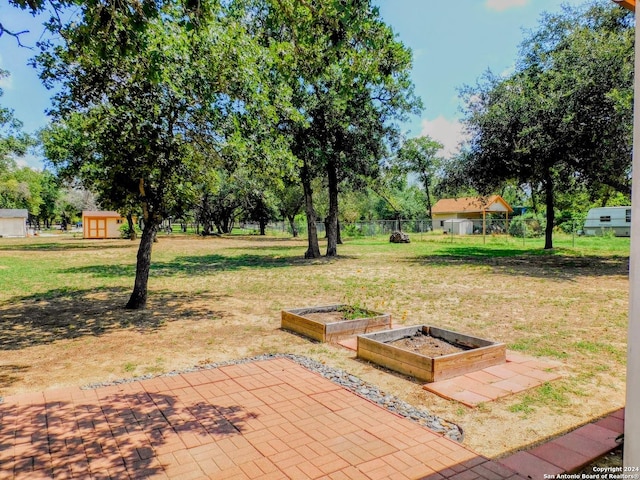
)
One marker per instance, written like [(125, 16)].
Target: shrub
[(527, 225), (352, 230)]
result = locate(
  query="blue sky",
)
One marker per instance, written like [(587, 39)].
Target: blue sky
[(453, 42)]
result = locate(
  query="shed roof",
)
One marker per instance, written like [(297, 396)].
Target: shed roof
[(471, 205), (14, 213), (101, 213)]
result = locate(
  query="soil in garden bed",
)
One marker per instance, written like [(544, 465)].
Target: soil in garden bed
[(326, 317), (427, 345)]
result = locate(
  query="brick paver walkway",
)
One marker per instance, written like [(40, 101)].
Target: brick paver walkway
[(262, 420), (517, 374), (569, 452)]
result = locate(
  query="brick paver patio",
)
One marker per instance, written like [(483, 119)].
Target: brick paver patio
[(519, 373), (270, 419)]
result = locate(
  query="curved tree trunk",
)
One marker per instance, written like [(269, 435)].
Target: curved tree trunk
[(132, 229), (332, 217), (292, 223), (313, 250), (549, 201), (138, 297)]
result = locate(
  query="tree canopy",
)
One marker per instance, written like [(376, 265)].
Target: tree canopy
[(418, 155), (13, 141), (151, 98), (563, 118), (349, 79)]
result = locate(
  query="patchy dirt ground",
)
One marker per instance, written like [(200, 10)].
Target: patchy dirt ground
[(326, 317), (62, 321)]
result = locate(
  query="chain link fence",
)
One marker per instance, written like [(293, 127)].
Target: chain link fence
[(374, 228), (515, 228)]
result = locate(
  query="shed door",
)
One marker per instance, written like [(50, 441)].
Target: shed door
[(97, 228)]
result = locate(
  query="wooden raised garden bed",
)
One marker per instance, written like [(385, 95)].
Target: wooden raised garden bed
[(333, 322), (429, 353)]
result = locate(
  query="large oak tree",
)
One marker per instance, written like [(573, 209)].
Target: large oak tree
[(349, 78), (564, 117), (152, 95)]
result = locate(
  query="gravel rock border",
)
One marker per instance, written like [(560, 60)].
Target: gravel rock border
[(363, 389)]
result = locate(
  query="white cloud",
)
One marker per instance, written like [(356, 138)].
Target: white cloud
[(450, 133), (417, 53), (501, 5), (507, 72), (29, 160), (5, 82)]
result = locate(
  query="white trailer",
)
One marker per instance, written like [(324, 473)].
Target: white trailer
[(608, 219)]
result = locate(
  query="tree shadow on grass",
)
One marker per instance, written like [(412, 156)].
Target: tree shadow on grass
[(62, 246), (195, 265), (10, 374), (524, 262), (298, 249), (119, 431), (67, 313)]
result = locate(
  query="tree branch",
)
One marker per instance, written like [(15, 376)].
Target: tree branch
[(15, 35)]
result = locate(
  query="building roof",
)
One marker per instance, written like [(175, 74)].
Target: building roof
[(472, 205), (628, 4), (14, 213), (100, 213)]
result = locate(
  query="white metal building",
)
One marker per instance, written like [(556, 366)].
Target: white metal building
[(13, 222)]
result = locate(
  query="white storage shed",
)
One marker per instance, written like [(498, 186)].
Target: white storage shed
[(13, 222), (458, 226)]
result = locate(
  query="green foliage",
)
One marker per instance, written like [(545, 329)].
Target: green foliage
[(353, 231), (528, 225), (19, 187), (352, 312), (13, 141), (418, 155), (289, 202), (407, 203), (126, 232), (395, 198), (568, 223), (562, 121), (151, 99), (349, 77), (129, 367)]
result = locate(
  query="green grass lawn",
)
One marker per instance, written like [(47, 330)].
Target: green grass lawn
[(61, 265), (220, 298)]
